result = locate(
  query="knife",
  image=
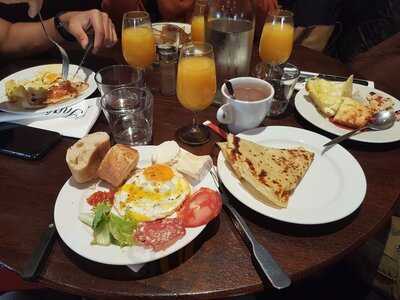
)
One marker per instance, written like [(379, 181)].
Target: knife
[(32, 267), (305, 75), (89, 48)]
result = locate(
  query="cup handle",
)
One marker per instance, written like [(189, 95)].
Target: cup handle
[(225, 114)]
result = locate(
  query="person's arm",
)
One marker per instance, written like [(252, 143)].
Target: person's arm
[(172, 9), (29, 38)]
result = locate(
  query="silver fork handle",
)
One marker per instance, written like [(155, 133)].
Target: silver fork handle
[(343, 137), (278, 278)]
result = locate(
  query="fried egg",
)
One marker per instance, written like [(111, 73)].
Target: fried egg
[(152, 193)]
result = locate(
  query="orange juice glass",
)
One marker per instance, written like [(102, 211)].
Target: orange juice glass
[(198, 24), (138, 42), (277, 37), (196, 87)]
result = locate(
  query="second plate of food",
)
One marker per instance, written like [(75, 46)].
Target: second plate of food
[(308, 111), (333, 187), (40, 89)]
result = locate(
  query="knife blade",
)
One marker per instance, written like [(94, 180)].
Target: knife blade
[(89, 48), (32, 267), (305, 75)]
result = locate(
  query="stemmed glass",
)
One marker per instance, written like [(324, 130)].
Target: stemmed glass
[(196, 87), (138, 42), (277, 39), (198, 21)]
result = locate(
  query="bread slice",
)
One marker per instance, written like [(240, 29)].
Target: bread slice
[(118, 164), (352, 113), (327, 95), (274, 173), (84, 157)]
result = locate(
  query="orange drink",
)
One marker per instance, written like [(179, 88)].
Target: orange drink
[(276, 42), (196, 83), (198, 29), (138, 46)]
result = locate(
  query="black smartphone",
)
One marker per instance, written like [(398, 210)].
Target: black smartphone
[(26, 142)]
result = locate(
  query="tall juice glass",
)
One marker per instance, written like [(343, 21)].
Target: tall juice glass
[(198, 21), (277, 38), (196, 87), (138, 43)]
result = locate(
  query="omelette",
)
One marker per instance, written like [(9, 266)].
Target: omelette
[(152, 193), (274, 173)]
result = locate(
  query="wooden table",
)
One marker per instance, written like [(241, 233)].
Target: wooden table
[(217, 264)]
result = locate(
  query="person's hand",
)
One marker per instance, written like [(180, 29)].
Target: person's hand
[(77, 23), (267, 5), (34, 5)]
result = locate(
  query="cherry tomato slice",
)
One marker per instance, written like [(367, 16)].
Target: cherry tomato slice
[(200, 208), (100, 197)]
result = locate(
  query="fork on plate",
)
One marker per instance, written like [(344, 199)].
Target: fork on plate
[(64, 55), (278, 278)]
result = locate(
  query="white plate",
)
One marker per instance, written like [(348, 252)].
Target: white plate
[(184, 26), (76, 235), (309, 112), (333, 187), (28, 74)]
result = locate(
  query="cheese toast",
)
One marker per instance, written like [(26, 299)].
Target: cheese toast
[(352, 113), (274, 173)]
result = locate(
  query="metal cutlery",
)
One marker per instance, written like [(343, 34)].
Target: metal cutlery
[(89, 48), (64, 55), (306, 75), (32, 267), (278, 278)]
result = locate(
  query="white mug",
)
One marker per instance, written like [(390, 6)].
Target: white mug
[(241, 115)]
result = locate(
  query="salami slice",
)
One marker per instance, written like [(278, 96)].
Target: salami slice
[(200, 208), (160, 234)]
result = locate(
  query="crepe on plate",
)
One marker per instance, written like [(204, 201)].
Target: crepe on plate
[(275, 173)]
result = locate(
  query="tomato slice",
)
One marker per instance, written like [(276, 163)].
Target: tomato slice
[(200, 208), (100, 197)]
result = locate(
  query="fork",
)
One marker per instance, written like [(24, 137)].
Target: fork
[(64, 55), (278, 278)]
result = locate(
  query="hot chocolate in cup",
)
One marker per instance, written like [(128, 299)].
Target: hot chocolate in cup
[(251, 103)]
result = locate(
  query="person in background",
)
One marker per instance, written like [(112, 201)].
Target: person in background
[(28, 38)]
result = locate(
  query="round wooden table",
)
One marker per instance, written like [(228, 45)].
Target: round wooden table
[(217, 264)]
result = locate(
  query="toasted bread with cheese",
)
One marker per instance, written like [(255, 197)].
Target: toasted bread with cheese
[(352, 113), (326, 95), (275, 173)]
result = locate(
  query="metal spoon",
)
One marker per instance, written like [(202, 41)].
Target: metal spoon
[(229, 86), (380, 121)]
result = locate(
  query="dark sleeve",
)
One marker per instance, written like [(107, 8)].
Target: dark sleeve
[(151, 7), (315, 12)]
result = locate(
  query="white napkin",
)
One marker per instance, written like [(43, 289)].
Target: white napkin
[(135, 268), (74, 121)]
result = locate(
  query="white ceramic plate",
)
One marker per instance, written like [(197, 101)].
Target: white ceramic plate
[(71, 201), (184, 26), (309, 112), (333, 187), (28, 74)]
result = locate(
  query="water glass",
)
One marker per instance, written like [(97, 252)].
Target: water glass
[(283, 78), (129, 112), (118, 76)]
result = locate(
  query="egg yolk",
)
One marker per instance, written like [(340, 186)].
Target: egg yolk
[(158, 172)]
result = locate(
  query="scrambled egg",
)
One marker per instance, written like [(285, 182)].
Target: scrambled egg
[(152, 193)]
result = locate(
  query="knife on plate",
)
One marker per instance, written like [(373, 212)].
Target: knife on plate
[(305, 75), (32, 267), (89, 48)]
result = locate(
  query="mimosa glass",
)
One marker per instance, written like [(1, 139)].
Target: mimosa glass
[(277, 38), (138, 42), (198, 21), (196, 87)]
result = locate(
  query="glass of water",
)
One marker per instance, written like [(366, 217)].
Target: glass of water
[(129, 112), (117, 76)]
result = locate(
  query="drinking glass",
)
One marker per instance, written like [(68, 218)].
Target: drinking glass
[(196, 87), (129, 112), (117, 76), (277, 38), (198, 21), (138, 43)]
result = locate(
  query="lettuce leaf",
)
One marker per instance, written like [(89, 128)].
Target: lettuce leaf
[(101, 213), (87, 218), (121, 230), (101, 234)]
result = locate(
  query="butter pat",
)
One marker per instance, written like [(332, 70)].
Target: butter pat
[(192, 166)]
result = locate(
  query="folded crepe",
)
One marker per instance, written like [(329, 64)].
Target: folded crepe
[(274, 173)]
